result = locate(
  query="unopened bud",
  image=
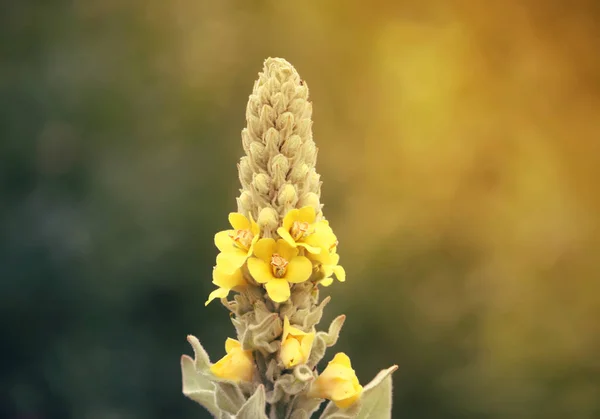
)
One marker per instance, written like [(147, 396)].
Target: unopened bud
[(289, 90), (262, 183), (257, 153), (298, 107), (285, 121), (298, 173), (279, 103), (278, 168), (267, 117), (245, 203), (313, 181), (268, 219), (287, 195), (291, 146), (245, 171), (310, 199)]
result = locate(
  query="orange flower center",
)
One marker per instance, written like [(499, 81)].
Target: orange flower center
[(278, 265), (242, 238), (299, 230)]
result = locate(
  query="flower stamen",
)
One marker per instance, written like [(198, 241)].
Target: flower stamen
[(242, 238), (278, 265), (333, 247), (299, 230)]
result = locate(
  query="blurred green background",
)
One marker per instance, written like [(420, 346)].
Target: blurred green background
[(460, 153)]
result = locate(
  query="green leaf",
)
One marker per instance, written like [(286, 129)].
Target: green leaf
[(376, 401), (333, 412), (229, 397), (197, 386), (201, 359), (334, 330), (255, 406)]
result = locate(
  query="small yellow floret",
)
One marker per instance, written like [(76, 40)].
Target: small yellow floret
[(236, 245), (226, 282), (237, 365), (338, 383), (277, 264), (295, 345), (298, 226)]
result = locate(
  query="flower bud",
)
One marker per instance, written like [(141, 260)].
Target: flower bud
[(278, 169), (245, 171), (257, 152), (268, 219), (298, 173), (338, 383), (245, 203), (287, 195), (262, 183), (267, 117), (237, 365), (295, 345), (291, 146), (310, 199)]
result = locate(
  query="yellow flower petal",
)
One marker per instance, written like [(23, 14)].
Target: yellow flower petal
[(338, 382), (264, 249), (229, 281), (306, 344), (311, 249), (299, 270), (326, 282), (343, 390), (237, 365), (285, 250), (254, 228), (306, 215), (285, 235), (322, 236), (238, 221), (228, 262), (290, 353), (340, 273), (341, 359), (223, 241), (290, 217), (288, 329), (231, 344), (218, 293), (278, 290), (346, 403), (260, 270)]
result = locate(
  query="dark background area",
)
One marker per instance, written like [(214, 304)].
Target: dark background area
[(459, 146)]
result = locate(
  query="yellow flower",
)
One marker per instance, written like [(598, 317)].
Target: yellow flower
[(338, 383), (295, 346), (328, 265), (322, 237), (298, 225), (236, 245), (276, 265), (327, 261), (237, 365), (226, 282)]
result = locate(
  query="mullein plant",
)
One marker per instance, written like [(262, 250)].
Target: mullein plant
[(277, 254)]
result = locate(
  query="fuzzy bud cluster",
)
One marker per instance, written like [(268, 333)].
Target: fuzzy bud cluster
[(278, 172)]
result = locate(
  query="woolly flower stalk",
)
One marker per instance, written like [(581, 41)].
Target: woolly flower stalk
[(279, 251)]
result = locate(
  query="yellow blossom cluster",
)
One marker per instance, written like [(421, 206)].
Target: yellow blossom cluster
[(305, 250)]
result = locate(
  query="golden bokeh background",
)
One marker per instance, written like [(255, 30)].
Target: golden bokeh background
[(459, 146)]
